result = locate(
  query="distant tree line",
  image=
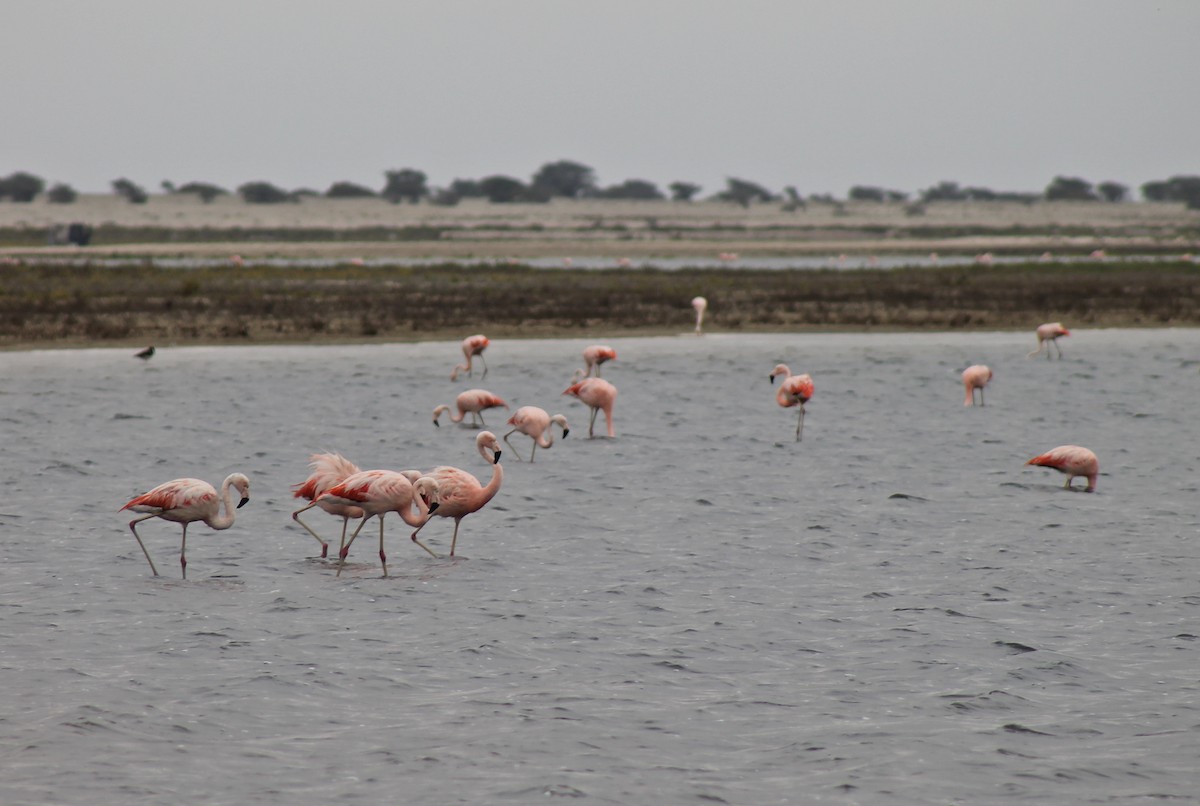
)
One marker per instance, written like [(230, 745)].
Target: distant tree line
[(573, 180)]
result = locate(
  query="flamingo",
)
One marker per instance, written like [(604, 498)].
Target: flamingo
[(975, 377), (794, 391), (184, 501), (598, 394), (474, 401), (1049, 332), (593, 357), (701, 305), (328, 469), (376, 493), (535, 422), (460, 493), (472, 346), (145, 354), (1073, 461)]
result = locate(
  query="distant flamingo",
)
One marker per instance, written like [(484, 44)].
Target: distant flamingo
[(472, 346), (535, 422), (975, 377), (598, 394), (376, 493), (460, 493), (185, 501), (328, 470), (701, 305), (475, 401), (146, 353), (796, 390), (1049, 332), (594, 356), (1073, 461)]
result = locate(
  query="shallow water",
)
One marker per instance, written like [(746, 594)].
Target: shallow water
[(894, 610)]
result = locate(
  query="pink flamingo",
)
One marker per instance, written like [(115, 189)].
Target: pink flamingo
[(472, 346), (474, 401), (376, 493), (328, 470), (598, 394), (700, 304), (593, 357), (1049, 332), (1073, 461), (535, 422), (460, 493), (975, 377), (796, 390), (184, 501)]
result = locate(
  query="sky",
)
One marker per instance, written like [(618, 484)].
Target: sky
[(822, 96)]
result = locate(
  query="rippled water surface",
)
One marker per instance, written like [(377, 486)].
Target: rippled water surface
[(701, 610)]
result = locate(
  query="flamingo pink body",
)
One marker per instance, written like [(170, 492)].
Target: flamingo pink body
[(1049, 332), (328, 470), (472, 401), (460, 493), (185, 501), (472, 346), (700, 304), (535, 423), (1073, 461), (596, 355), (378, 492), (796, 390), (598, 395), (975, 377)]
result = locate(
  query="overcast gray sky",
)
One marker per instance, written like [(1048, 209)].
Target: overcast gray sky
[(824, 95)]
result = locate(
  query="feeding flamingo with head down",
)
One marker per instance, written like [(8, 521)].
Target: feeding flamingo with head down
[(1073, 461), (975, 377), (460, 493), (535, 423), (474, 401), (599, 395), (796, 390), (593, 357), (184, 501), (328, 470), (376, 493), (472, 346), (1049, 332)]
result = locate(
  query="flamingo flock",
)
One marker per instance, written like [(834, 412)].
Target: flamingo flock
[(337, 486)]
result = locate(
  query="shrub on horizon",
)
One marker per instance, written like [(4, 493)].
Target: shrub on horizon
[(129, 190), (264, 193), (21, 187), (348, 190), (61, 194)]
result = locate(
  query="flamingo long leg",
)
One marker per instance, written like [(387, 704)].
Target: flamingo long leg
[(514, 450), (346, 548), (454, 540), (183, 551), (382, 556), (416, 540), (800, 425), (481, 361), (592, 422), (133, 528), (324, 545)]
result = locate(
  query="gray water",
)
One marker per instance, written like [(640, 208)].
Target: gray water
[(895, 610)]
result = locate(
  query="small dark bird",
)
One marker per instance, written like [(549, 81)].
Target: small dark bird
[(145, 354)]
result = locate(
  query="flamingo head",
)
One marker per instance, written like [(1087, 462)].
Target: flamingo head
[(427, 488)]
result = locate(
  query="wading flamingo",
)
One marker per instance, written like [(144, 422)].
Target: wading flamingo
[(474, 401), (184, 501), (535, 422), (376, 493), (328, 470), (593, 357), (1072, 460), (1049, 332), (598, 394), (794, 391), (145, 354), (701, 305), (975, 377), (472, 346), (460, 493)]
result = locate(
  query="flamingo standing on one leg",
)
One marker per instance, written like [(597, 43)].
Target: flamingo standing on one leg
[(975, 377), (1073, 461), (184, 501), (460, 493), (328, 470), (472, 346), (794, 391), (598, 394), (701, 305), (376, 493), (1049, 332), (535, 422), (593, 357), (474, 401)]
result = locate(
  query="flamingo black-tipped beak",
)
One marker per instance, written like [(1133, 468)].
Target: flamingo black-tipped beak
[(435, 424), (433, 507), (496, 460), (243, 502), (565, 432), (771, 379)]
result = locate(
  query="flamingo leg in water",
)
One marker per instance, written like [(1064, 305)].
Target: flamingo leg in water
[(514, 450), (481, 361), (324, 545), (183, 552), (416, 540), (133, 528), (800, 425), (346, 548), (454, 540), (1056, 347), (382, 556), (592, 422)]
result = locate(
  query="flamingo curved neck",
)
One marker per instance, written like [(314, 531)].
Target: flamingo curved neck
[(225, 520)]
